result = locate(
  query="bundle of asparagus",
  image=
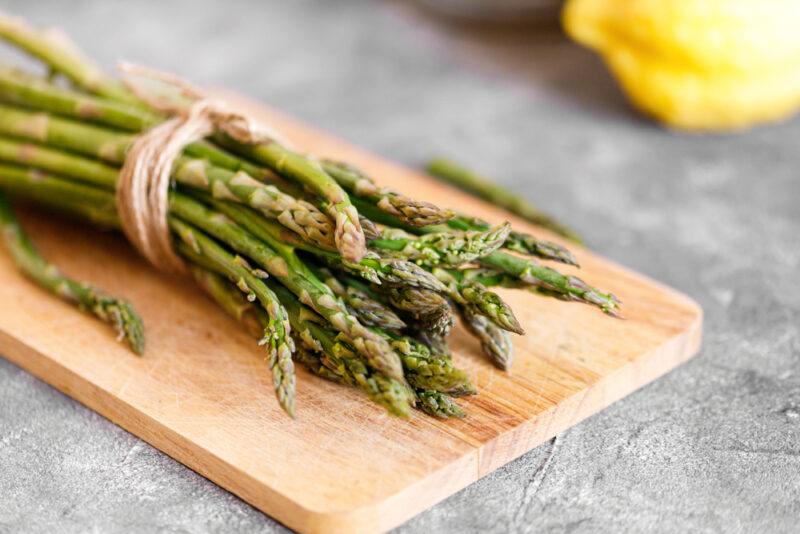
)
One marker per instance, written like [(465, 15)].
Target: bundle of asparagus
[(358, 283)]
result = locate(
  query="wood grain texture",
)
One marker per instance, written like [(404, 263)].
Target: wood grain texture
[(202, 393)]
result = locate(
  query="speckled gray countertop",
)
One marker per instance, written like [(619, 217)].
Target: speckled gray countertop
[(712, 447)]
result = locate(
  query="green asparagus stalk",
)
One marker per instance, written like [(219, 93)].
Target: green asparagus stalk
[(568, 287), (281, 262), (361, 303), (64, 163), (388, 271), (349, 236), (427, 371), (231, 300), (516, 241), (487, 190), (547, 250), (341, 359), (45, 96), (449, 249), (410, 211), (61, 55), (438, 404), (473, 294), (425, 309), (117, 312), (24, 89), (345, 364), (197, 246), (309, 173), (495, 341), (84, 201), (297, 215)]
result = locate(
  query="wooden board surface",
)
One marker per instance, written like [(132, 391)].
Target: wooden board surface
[(202, 394)]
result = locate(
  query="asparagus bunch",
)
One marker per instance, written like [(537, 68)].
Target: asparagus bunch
[(358, 283)]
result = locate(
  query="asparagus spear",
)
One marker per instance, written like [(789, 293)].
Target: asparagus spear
[(495, 341), (46, 96), (82, 169), (425, 370), (117, 312), (487, 190), (516, 241), (370, 311), (197, 246), (568, 287), (281, 261), (90, 203), (388, 271), (62, 56), (473, 294), (449, 249), (231, 300), (426, 309), (297, 215), (438, 404), (410, 211), (309, 173), (349, 235), (27, 90), (390, 393)]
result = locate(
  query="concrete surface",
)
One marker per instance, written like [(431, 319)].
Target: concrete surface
[(713, 447)]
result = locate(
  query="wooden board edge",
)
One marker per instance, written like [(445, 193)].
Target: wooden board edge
[(374, 517), (418, 497), (594, 399), (129, 418), (524, 438)]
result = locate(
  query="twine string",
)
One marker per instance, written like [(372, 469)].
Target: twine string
[(142, 193)]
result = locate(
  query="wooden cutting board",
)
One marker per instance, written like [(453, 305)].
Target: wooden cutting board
[(202, 392)]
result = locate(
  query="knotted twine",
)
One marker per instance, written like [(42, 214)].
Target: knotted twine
[(142, 194)]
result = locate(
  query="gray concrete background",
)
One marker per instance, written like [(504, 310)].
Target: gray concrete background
[(712, 447)]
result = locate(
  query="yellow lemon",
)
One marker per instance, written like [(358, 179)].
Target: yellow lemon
[(698, 64)]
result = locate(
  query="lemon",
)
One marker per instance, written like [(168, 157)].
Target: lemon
[(710, 65)]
